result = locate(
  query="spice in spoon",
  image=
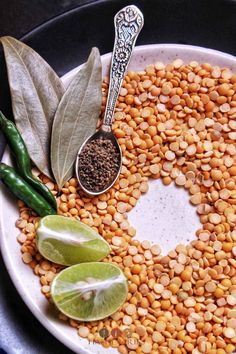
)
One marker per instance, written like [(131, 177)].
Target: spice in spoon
[(98, 164)]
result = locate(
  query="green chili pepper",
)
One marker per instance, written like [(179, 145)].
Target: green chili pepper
[(20, 152), (22, 190)]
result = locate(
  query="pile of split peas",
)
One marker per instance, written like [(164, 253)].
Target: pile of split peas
[(177, 122)]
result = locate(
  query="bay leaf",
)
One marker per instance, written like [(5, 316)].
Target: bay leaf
[(36, 91), (76, 117)]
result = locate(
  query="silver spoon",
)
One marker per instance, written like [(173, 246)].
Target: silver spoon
[(128, 23)]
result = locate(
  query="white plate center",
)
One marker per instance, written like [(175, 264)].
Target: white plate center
[(165, 216)]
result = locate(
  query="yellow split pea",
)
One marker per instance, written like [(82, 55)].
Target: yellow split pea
[(175, 122)]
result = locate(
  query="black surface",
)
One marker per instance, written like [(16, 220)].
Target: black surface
[(26, 335), (206, 23), (18, 17), (65, 42)]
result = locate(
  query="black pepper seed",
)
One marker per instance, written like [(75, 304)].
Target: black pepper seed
[(99, 163)]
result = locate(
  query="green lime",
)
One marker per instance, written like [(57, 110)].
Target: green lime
[(66, 241), (89, 291)]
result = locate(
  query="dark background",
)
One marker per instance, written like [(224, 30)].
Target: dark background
[(19, 17), (65, 42)]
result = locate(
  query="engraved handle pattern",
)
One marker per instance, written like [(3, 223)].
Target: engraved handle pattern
[(128, 23)]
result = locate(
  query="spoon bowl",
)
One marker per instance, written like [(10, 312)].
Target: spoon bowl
[(107, 136)]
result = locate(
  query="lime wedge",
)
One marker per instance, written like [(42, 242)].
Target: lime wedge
[(89, 291), (67, 242)]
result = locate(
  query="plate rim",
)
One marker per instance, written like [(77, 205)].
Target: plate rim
[(38, 313), (161, 46)]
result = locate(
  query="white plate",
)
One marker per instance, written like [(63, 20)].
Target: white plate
[(163, 203)]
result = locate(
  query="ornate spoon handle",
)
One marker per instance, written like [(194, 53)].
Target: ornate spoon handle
[(128, 23)]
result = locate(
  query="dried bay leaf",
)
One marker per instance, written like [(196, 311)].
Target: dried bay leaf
[(36, 91), (76, 117)]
